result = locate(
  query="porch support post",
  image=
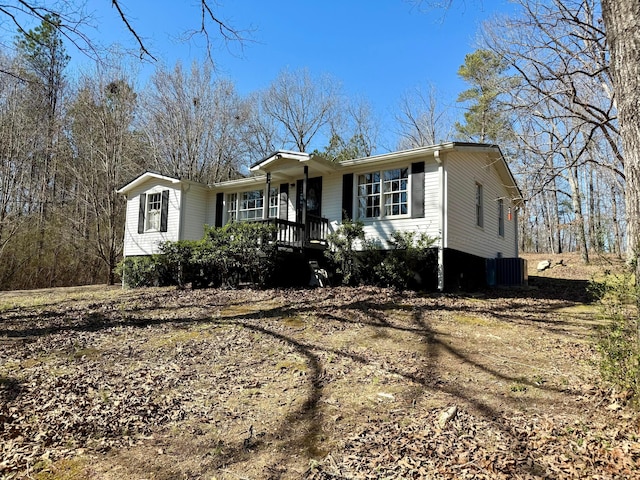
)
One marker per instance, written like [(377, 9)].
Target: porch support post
[(265, 206), (305, 181)]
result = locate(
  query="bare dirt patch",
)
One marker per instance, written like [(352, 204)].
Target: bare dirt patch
[(327, 383)]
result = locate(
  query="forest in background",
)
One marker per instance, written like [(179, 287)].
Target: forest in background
[(539, 86)]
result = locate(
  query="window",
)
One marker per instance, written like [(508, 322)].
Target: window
[(479, 206), (251, 205), (154, 208), (395, 184), (388, 189), (154, 212), (274, 202), (369, 195), (501, 217), (232, 207)]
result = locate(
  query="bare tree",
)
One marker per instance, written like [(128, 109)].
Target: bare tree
[(422, 119), (354, 131), (15, 146), (563, 102), (261, 130), (107, 155), (75, 24), (195, 126), (301, 106)]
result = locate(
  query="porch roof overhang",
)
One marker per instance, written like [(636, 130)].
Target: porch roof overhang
[(285, 164)]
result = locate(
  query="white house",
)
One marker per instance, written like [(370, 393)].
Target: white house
[(461, 193)]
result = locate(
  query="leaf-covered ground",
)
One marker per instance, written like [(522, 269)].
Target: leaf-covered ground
[(337, 383)]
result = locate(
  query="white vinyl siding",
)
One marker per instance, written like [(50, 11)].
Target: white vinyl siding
[(464, 171), (332, 200), (194, 212)]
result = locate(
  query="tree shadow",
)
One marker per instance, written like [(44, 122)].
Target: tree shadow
[(10, 389), (301, 428)]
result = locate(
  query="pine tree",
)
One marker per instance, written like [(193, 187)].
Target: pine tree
[(483, 121)]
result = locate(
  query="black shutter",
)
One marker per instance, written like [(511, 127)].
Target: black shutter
[(219, 209), (164, 213), (417, 190), (143, 206), (347, 196), (284, 201)]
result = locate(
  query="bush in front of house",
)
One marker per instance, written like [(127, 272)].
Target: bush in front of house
[(236, 253), (144, 271), (405, 262), (342, 253)]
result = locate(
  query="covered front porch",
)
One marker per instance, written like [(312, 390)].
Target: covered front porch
[(296, 179)]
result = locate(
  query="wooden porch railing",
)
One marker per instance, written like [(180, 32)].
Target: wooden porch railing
[(293, 234)]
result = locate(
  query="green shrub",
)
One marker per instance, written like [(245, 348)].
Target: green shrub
[(177, 260), (144, 271), (238, 252), (342, 253), (619, 340), (403, 265)]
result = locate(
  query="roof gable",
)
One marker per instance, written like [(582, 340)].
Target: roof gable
[(146, 176)]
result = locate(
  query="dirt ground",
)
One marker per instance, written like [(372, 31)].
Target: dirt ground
[(336, 383)]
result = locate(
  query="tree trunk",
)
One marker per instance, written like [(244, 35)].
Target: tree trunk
[(576, 201), (622, 21), (617, 247)]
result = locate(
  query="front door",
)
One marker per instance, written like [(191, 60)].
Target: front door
[(314, 198)]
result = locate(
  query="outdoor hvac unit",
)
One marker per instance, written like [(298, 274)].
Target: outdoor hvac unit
[(506, 272)]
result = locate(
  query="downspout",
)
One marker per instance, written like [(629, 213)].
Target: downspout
[(442, 219), (126, 226), (516, 226)]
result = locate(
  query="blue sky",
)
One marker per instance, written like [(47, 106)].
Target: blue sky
[(377, 49)]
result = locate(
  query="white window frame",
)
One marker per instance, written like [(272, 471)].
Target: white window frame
[(251, 207), (274, 202), (232, 207), (153, 213), (382, 192)]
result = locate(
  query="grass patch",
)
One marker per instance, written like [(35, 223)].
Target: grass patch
[(473, 320), (65, 469), (295, 365), (88, 353), (294, 321)]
